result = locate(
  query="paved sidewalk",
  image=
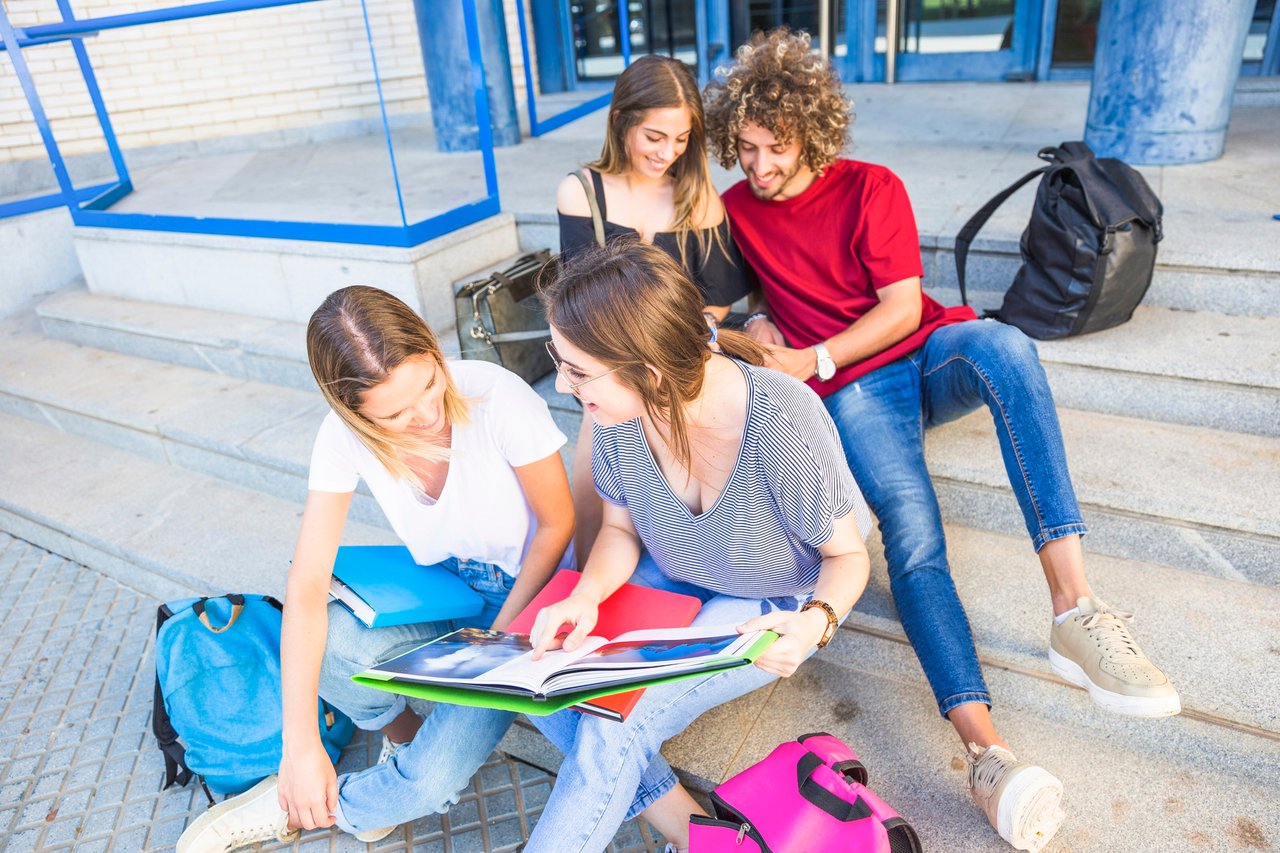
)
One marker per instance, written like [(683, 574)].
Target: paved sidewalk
[(78, 764)]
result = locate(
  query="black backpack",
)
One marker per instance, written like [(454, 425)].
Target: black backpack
[(1088, 252)]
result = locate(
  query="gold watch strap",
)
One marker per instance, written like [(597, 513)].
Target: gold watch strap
[(833, 621)]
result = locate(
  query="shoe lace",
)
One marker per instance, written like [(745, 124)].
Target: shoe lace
[(987, 767), (248, 834), (1110, 631)]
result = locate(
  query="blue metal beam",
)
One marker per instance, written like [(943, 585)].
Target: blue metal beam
[(96, 199), (153, 16)]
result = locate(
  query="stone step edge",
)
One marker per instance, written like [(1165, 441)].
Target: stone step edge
[(133, 570), (945, 481), (942, 481), (284, 468), (449, 342)]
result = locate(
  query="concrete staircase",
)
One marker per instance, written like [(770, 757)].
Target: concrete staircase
[(168, 446)]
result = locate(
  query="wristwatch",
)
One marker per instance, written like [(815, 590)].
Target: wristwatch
[(833, 621), (826, 366)]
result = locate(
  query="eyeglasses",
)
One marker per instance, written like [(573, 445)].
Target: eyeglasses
[(571, 373)]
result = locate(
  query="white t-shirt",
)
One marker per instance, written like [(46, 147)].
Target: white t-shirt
[(482, 513)]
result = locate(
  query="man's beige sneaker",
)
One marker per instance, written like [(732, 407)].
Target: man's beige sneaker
[(1021, 800), (1094, 649), (239, 821)]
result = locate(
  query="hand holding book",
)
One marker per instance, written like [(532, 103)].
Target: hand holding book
[(578, 611), (798, 633)]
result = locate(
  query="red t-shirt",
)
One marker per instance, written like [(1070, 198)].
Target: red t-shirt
[(822, 255)]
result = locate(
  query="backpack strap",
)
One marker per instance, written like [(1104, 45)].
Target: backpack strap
[(975, 223), (597, 219), (176, 770)]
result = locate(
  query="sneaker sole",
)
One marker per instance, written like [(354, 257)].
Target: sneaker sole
[(1117, 703), (197, 826), (1036, 793)]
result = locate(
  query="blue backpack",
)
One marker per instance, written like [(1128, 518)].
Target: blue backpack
[(216, 713)]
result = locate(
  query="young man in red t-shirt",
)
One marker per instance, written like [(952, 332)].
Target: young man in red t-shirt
[(834, 245)]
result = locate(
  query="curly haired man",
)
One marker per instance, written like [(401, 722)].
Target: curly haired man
[(834, 244)]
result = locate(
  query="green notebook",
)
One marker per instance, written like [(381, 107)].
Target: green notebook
[(493, 669)]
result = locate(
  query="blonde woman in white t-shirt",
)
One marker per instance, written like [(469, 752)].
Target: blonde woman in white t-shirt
[(463, 458)]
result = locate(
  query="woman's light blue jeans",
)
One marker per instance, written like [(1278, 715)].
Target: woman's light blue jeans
[(427, 774), (613, 771), (881, 419)]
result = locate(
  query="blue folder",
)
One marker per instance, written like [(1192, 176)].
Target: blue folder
[(382, 586)]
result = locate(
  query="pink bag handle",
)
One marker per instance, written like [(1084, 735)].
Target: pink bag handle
[(836, 754)]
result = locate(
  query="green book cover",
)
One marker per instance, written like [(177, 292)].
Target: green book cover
[(663, 649)]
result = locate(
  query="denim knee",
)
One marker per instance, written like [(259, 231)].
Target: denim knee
[(349, 648), (991, 342)]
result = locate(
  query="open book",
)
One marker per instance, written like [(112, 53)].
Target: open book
[(631, 608), (496, 669)]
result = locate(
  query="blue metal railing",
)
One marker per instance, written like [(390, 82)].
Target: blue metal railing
[(91, 205)]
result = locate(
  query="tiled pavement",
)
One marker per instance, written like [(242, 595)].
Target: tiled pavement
[(78, 765)]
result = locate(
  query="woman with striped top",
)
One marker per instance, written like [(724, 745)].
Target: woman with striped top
[(721, 479)]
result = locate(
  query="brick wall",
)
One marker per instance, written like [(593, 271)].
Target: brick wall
[(226, 75)]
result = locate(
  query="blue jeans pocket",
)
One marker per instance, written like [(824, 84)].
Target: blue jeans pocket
[(493, 585)]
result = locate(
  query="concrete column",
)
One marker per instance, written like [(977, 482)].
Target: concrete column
[(442, 32), (1163, 77)]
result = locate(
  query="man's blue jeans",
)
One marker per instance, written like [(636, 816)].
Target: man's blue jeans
[(881, 419), (429, 773)]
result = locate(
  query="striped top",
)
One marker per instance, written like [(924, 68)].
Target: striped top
[(760, 538)]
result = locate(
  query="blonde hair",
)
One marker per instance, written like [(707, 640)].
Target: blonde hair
[(631, 306), (658, 82), (777, 82), (355, 339)]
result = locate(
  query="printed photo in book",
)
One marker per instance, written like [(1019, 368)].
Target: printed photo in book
[(480, 660)]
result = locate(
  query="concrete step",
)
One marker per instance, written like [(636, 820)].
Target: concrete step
[(285, 279), (1189, 283), (254, 434), (157, 528), (1179, 783), (1188, 497), (1192, 497), (235, 345), (251, 433), (1199, 368), (1000, 582)]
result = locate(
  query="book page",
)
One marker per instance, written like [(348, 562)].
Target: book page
[(659, 647), (478, 657)]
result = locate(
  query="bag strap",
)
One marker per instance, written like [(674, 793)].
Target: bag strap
[(975, 223), (175, 764), (836, 754), (237, 607), (819, 797), (597, 221)]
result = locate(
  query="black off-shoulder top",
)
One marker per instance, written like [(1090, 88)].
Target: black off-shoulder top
[(721, 276)]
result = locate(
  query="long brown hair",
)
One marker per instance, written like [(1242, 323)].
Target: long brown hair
[(631, 306), (658, 82), (356, 338)]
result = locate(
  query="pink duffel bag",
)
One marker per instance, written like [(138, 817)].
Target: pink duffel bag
[(808, 796)]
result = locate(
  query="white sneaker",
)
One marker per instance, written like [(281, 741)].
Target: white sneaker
[(240, 821), (388, 749), (1021, 800)]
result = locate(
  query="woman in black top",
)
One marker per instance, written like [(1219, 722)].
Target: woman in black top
[(646, 187)]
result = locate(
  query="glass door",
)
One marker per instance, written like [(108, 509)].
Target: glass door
[(958, 39), (666, 27), (824, 24)]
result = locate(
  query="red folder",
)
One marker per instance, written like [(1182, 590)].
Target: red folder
[(631, 608)]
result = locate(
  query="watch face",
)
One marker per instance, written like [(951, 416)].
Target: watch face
[(826, 369)]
